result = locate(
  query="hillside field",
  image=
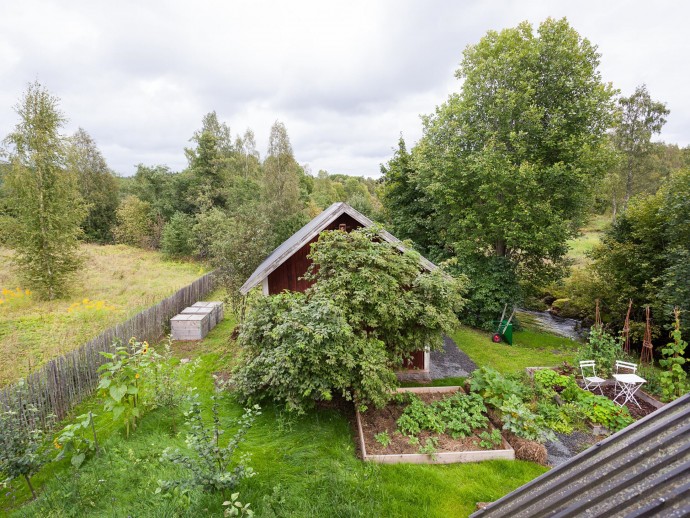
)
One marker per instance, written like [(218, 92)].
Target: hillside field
[(117, 282)]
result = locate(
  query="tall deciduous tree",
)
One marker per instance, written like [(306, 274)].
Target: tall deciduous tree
[(43, 195), (281, 184), (640, 118), (97, 185), (508, 163)]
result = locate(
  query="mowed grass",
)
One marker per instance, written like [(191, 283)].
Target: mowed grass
[(531, 348), (117, 282), (590, 237), (306, 467)]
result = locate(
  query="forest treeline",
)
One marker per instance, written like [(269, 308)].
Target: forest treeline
[(230, 206), (507, 171)]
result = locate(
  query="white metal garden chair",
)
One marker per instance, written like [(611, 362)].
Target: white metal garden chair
[(627, 382), (589, 376)]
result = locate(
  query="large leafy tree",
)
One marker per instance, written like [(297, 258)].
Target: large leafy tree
[(97, 185), (508, 164), (43, 196)]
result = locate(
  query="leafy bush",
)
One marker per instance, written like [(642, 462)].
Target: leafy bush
[(21, 453), (212, 467), (603, 348), (177, 239), (298, 351), (370, 307), (520, 420)]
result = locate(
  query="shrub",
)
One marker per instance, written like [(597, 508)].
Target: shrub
[(212, 467), (77, 439), (298, 351), (177, 239), (21, 453), (134, 223)]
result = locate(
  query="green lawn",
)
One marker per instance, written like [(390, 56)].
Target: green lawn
[(306, 467), (531, 348), (117, 281)]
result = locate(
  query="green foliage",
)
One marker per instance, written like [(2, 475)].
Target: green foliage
[(134, 223), (383, 438), (384, 293), (97, 186), (603, 348), (298, 351), (645, 255), (77, 439), (458, 415), (42, 198), (494, 387), (235, 508), (490, 440), (213, 467), (520, 420), (673, 379), (506, 167), (21, 447), (177, 239), (119, 382)]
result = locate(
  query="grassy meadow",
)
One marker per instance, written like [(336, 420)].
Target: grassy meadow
[(117, 281), (306, 466), (591, 235)]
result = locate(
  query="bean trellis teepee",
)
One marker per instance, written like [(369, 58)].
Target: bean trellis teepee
[(626, 330), (646, 355), (597, 316)]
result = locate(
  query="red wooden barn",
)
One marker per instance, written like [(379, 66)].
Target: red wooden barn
[(284, 268)]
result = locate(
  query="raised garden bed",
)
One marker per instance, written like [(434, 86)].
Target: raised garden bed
[(447, 449)]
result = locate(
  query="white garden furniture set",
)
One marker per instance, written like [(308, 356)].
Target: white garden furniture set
[(627, 382)]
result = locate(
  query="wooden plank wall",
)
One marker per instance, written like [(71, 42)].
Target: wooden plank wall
[(65, 381)]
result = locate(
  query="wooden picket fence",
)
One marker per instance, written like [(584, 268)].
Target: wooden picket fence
[(55, 388)]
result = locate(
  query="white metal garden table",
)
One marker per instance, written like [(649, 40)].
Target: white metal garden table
[(629, 384)]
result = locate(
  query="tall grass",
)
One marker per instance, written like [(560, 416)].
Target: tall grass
[(117, 282)]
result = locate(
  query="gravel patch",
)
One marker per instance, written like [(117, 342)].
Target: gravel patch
[(450, 362), (567, 446)]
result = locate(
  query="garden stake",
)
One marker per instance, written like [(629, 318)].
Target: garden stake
[(93, 428), (646, 355), (626, 330)]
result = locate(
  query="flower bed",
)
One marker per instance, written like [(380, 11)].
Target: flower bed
[(430, 425)]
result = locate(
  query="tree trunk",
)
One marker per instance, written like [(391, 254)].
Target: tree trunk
[(28, 482), (614, 207), (501, 248)]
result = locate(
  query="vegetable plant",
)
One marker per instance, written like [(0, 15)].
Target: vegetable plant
[(673, 379), (490, 440), (77, 439), (383, 438), (520, 420)]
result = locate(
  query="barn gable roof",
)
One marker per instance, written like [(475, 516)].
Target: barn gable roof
[(643, 470), (309, 232)]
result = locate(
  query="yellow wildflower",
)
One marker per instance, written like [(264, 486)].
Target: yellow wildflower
[(85, 301), (136, 376), (28, 292), (57, 444), (2, 301)]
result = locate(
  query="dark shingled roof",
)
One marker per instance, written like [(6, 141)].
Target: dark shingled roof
[(310, 231), (643, 470)]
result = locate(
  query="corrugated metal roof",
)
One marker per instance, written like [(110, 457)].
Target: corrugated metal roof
[(310, 231), (643, 470)]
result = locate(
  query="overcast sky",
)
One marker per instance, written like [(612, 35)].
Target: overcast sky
[(346, 78)]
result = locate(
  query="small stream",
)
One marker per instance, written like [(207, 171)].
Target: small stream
[(566, 327)]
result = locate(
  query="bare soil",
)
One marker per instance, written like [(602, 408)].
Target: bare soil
[(636, 412), (375, 421)]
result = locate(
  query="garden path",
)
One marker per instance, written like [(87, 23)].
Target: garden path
[(450, 362)]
